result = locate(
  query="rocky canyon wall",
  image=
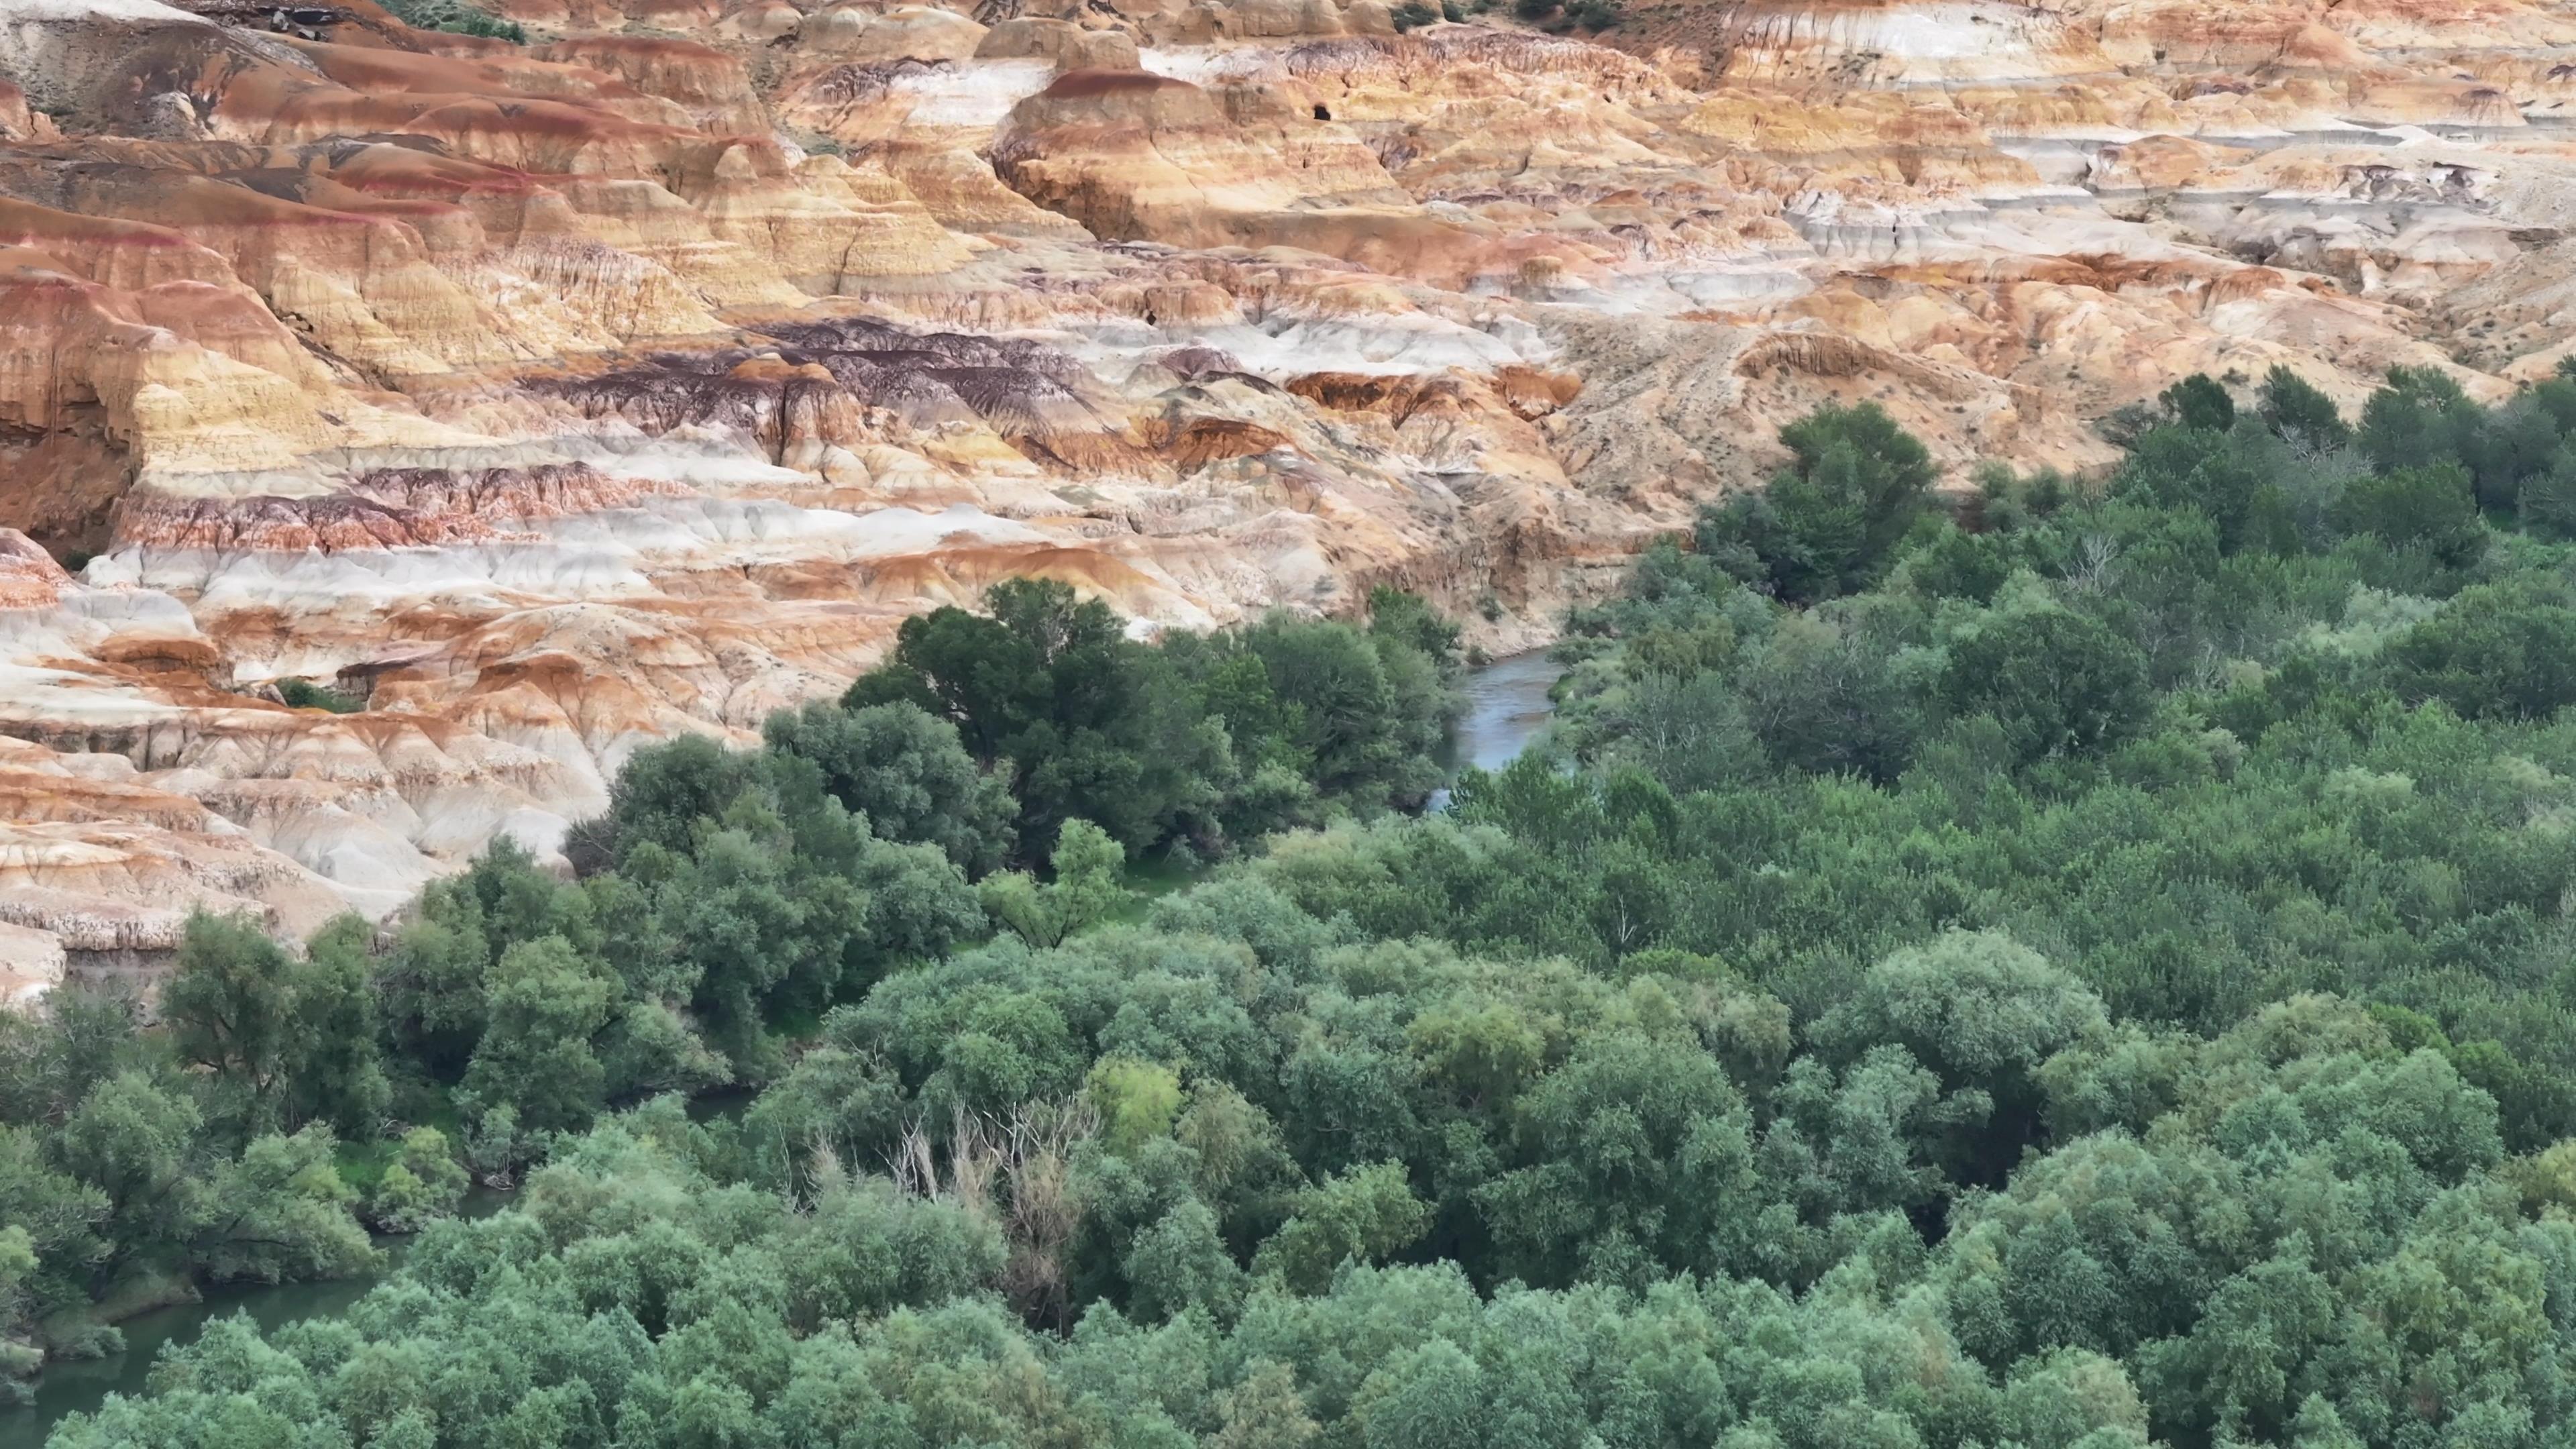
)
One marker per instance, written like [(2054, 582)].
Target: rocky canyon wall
[(541, 399)]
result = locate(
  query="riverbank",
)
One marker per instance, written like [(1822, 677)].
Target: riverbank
[(1507, 708), (69, 1386), (81, 1385)]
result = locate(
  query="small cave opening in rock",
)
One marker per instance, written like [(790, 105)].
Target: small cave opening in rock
[(1322, 113)]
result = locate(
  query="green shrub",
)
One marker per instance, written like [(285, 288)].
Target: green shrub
[(457, 17), (305, 694)]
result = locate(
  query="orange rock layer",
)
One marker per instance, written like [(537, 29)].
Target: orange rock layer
[(550, 398)]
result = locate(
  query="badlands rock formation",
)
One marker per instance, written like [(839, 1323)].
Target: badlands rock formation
[(544, 399)]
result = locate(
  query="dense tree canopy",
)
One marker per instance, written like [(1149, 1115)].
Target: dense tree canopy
[(2083, 967), (727, 899), (1199, 738), (1830, 523)]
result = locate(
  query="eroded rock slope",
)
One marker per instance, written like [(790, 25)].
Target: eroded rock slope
[(546, 398)]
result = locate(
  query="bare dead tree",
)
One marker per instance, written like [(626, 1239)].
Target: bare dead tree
[(1014, 1171), (2092, 566)]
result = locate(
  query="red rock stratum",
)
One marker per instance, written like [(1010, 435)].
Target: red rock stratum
[(545, 398)]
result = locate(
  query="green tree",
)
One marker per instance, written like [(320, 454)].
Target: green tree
[(230, 1006), (664, 789), (1983, 1012), (907, 773), (1094, 725), (2418, 420), (339, 1075), (2058, 681), (1831, 522), (2430, 508), (2500, 650), (2234, 1372), (422, 1184), (1087, 888), (1181, 1263), (2072, 1396), (132, 1142), (2546, 503), (1347, 716), (1866, 1143), (765, 926), (2200, 403), (65, 1220), (1634, 1157), (280, 1211), (2293, 408), (18, 1264), (1433, 1398), (1265, 1411), (1137, 1101), (548, 1006), (1364, 1215), (1839, 690), (430, 986), (1409, 620), (434, 985)]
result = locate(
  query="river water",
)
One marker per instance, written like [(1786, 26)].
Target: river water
[(82, 1386), (79, 1387), (1507, 707)]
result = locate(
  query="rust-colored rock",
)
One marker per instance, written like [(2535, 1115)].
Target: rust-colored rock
[(546, 399)]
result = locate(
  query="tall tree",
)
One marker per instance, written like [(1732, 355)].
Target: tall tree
[(907, 773), (339, 1075), (231, 1007), (1830, 523), (2294, 409)]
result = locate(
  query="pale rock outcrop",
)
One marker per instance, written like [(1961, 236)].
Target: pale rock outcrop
[(544, 401), (865, 34), (713, 88), (1067, 45)]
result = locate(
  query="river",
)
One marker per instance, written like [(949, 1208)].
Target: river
[(1507, 707), (83, 1385)]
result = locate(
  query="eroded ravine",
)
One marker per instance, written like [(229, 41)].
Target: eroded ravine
[(549, 399)]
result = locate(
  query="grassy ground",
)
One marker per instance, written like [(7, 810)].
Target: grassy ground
[(458, 16), (1148, 880), (362, 1164)]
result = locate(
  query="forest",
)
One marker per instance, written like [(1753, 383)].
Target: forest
[(2061, 963)]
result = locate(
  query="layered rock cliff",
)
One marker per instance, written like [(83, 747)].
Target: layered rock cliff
[(542, 396)]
